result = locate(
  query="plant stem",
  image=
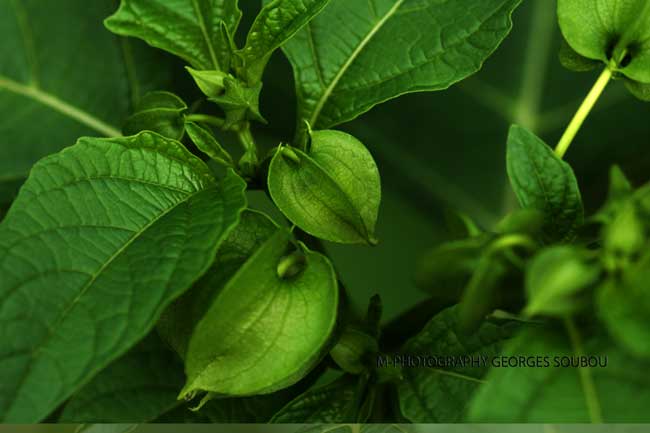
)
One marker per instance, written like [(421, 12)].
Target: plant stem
[(246, 139), (249, 162), (584, 110), (588, 387), (206, 118)]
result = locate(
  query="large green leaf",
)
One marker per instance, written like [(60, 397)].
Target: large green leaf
[(356, 54), (266, 329), (101, 238), (278, 21), (332, 403), (617, 393), (190, 29), (138, 387), (544, 182), (46, 102), (442, 393)]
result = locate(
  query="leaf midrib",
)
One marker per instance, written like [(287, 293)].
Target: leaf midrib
[(344, 68), (87, 286), (51, 101)]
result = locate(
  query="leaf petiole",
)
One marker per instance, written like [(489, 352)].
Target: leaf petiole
[(206, 118), (583, 112)]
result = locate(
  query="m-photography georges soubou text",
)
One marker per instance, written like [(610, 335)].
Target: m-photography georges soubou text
[(400, 360)]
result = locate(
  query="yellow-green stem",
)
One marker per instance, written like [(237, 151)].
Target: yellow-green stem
[(583, 112)]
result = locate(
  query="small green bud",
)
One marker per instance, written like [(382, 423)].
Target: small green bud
[(210, 82), (352, 351), (624, 237)]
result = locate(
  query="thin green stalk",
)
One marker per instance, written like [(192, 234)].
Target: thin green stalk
[(513, 240), (588, 387), (206, 118), (583, 112), (248, 142)]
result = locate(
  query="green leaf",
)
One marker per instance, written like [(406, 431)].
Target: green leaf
[(574, 61), (260, 334), (555, 278), (353, 55), (76, 252), (620, 391), (640, 90), (624, 305), (138, 387), (544, 182), (159, 112), (256, 409), (46, 103), (276, 23), (617, 32), (178, 321), (190, 29), (331, 403), (208, 144), (332, 192), (441, 394)]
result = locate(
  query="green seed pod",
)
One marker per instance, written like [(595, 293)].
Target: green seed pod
[(333, 192), (352, 349)]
